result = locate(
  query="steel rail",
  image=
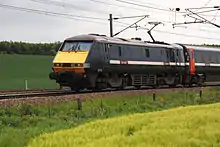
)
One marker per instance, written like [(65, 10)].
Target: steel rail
[(36, 94), (28, 91), (69, 92)]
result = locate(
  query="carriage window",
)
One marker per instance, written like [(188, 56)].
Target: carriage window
[(202, 57), (172, 58), (167, 52), (171, 54), (213, 59), (210, 59), (216, 59), (119, 51), (106, 48), (147, 53)]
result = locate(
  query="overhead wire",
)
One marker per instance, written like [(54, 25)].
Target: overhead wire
[(203, 30), (68, 5), (186, 35), (50, 13), (206, 4), (60, 15), (166, 10), (154, 5), (116, 5), (214, 17), (128, 6), (172, 33), (146, 6), (85, 18)]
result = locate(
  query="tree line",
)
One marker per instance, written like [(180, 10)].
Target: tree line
[(10, 47), (212, 45)]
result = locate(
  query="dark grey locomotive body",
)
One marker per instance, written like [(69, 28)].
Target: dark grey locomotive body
[(145, 63), (117, 63)]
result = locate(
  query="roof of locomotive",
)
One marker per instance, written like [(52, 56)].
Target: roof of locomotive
[(103, 38), (203, 48)]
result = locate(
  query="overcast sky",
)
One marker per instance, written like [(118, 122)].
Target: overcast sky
[(18, 25)]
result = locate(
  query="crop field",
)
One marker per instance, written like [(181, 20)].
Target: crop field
[(30, 121), (184, 126), (15, 69)]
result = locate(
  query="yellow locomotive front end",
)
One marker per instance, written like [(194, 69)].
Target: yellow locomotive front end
[(69, 65), (70, 61)]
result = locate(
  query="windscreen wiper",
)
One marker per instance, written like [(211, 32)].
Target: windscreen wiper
[(77, 48), (71, 49)]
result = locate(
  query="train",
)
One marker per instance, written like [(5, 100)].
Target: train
[(94, 61)]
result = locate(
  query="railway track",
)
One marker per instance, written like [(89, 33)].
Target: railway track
[(34, 94), (27, 91), (29, 94), (49, 93)]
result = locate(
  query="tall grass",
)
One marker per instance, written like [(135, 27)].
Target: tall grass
[(192, 126), (20, 123)]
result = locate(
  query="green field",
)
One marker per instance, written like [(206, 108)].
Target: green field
[(20, 123), (182, 127), (15, 69)]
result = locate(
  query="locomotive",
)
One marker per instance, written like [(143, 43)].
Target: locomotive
[(94, 61)]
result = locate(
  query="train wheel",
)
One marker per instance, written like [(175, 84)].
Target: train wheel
[(138, 87), (76, 89), (115, 80), (124, 83), (172, 86), (101, 84)]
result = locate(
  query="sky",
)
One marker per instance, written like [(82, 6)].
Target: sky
[(75, 17)]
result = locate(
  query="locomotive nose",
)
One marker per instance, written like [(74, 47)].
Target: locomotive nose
[(71, 57), (70, 61)]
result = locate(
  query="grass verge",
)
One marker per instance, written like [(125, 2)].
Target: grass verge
[(185, 126), (21, 123)]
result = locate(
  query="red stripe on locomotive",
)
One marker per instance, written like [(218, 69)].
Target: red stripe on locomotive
[(192, 62)]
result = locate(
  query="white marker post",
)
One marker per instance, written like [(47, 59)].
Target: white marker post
[(26, 85)]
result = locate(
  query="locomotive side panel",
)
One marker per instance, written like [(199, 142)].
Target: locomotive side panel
[(208, 63), (95, 58), (143, 59), (157, 63)]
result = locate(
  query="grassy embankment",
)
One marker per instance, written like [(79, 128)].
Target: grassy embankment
[(15, 69), (185, 126), (22, 123)]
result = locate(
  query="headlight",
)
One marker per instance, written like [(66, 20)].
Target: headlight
[(79, 65), (85, 65), (57, 64)]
